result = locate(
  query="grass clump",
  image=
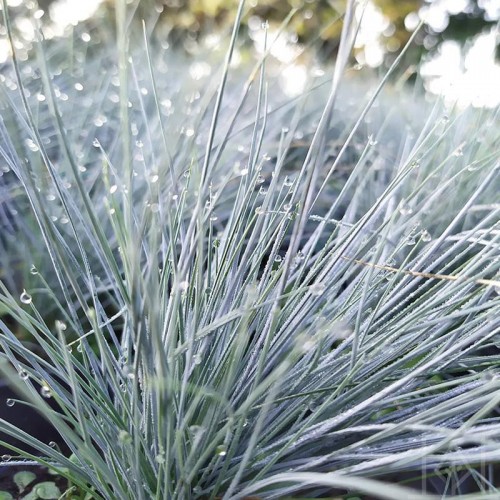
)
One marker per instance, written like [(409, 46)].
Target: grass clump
[(236, 294)]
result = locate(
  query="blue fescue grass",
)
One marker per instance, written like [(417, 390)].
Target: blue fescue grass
[(235, 293)]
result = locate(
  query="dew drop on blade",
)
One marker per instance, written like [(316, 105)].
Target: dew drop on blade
[(317, 289), (46, 392), (25, 297)]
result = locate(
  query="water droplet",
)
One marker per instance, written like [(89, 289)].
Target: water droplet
[(40, 98), (260, 179), (61, 325), (317, 288), (404, 208), (31, 145), (6, 458), (372, 141), (278, 258), (46, 392), (287, 207), (25, 297), (445, 119), (259, 210), (96, 143), (458, 152), (100, 121), (473, 167), (489, 375), (306, 344), (128, 372), (221, 450), (415, 164), (288, 182), (10, 402), (23, 374), (113, 189), (124, 437), (53, 444), (33, 270), (425, 235), (265, 25), (197, 359), (298, 258), (213, 218), (410, 240), (263, 191), (78, 86), (196, 431)]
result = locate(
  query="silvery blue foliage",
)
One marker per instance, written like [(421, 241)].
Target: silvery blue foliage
[(237, 293)]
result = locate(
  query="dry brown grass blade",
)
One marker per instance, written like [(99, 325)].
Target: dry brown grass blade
[(409, 272)]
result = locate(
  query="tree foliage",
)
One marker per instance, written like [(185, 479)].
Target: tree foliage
[(313, 20)]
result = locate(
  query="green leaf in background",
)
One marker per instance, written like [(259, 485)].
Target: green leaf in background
[(46, 490), (23, 478)]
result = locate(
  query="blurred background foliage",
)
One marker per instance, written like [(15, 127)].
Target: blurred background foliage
[(455, 52), (315, 20)]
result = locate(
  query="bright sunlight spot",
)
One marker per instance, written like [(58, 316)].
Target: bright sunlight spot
[(65, 12), (470, 78), (62, 13)]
